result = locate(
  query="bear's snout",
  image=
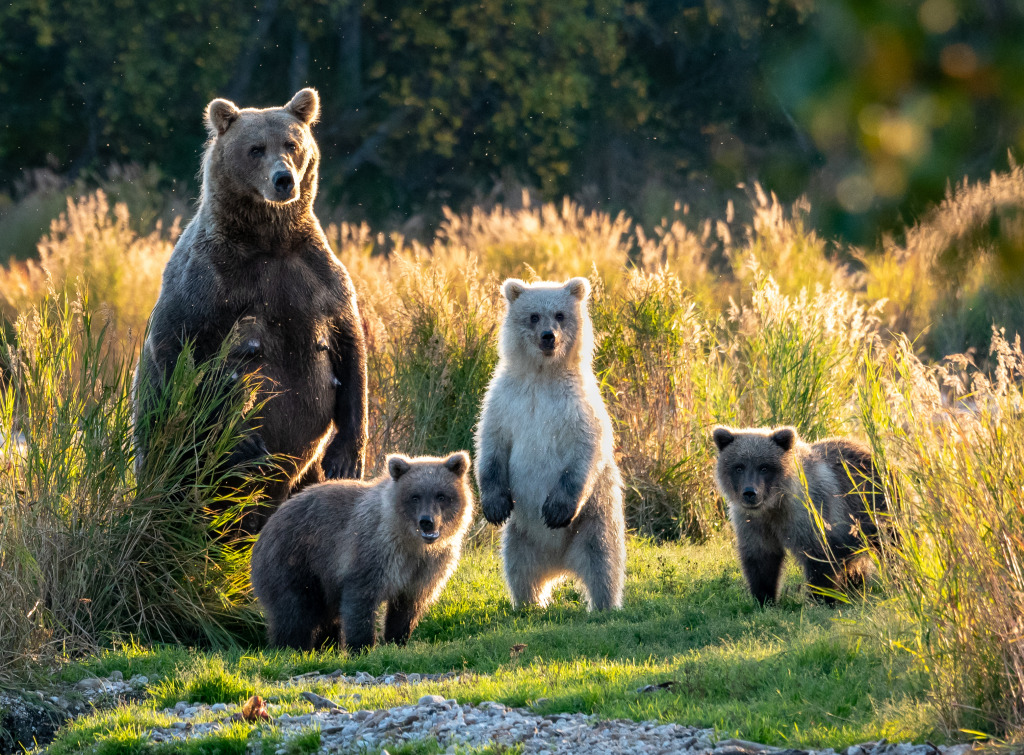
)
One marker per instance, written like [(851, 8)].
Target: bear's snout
[(548, 341), (749, 496), (284, 183), (428, 529)]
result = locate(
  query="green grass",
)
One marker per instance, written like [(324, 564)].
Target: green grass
[(796, 674)]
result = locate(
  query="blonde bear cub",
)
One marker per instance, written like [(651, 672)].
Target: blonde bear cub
[(545, 452)]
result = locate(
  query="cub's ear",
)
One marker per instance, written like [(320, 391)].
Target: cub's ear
[(512, 288), (578, 287), (305, 106), (723, 437), (398, 465), (457, 463), (220, 114), (785, 437)]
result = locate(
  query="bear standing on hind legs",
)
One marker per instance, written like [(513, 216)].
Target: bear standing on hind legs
[(545, 451), (254, 262), (773, 481)]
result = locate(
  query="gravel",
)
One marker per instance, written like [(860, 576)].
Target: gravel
[(452, 724)]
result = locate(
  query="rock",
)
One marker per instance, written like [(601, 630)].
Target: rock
[(218, 708), (116, 676), (90, 684), (363, 678), (431, 700), (319, 703), (414, 678), (743, 744)]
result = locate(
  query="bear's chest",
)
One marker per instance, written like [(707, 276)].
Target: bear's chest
[(546, 425)]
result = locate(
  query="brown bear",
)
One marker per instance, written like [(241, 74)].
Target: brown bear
[(255, 261), (768, 475), (331, 555)]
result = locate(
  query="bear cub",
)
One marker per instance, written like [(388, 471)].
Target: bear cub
[(545, 451), (767, 475), (328, 558)]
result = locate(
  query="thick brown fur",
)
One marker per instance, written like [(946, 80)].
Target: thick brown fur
[(330, 556), (255, 260), (767, 476)]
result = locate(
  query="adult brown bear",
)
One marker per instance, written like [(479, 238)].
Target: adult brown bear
[(254, 262)]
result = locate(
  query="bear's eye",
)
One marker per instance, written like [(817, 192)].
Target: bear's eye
[(291, 146), (739, 467), (535, 319), (440, 498), (559, 316), (415, 498), (257, 151), (764, 469)]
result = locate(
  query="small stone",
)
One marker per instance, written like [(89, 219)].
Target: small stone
[(539, 702), (414, 678), (218, 708), (116, 676), (139, 681), (363, 678), (54, 699), (179, 725), (356, 697), (90, 684), (431, 700), (336, 673), (389, 679)]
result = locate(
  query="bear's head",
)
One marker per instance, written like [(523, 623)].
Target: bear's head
[(267, 156), (755, 465), (546, 323), (432, 498)]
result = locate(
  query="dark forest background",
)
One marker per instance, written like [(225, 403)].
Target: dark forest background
[(870, 107)]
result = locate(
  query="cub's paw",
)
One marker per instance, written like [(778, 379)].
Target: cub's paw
[(558, 510), (497, 507)]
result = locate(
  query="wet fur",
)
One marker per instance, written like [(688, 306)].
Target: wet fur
[(267, 266), (545, 452), (842, 485), (330, 556)]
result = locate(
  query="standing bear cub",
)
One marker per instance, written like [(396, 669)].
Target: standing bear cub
[(254, 264), (768, 475), (331, 555), (545, 451)]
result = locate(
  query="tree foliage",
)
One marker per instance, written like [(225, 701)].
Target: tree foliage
[(625, 103)]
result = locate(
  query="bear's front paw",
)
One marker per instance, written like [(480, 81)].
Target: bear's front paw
[(340, 461), (249, 451), (497, 507), (558, 510)]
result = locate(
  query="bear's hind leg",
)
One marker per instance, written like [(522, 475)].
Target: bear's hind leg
[(598, 557), (297, 622), (530, 575)]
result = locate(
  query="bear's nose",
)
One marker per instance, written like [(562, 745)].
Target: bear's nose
[(749, 495), (426, 524), (547, 338), (283, 182)]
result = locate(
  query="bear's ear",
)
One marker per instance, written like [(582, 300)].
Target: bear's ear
[(220, 114), (398, 465), (578, 287), (305, 106), (785, 437), (457, 463), (723, 437), (512, 288)]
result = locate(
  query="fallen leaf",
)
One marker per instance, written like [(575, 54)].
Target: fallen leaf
[(255, 710)]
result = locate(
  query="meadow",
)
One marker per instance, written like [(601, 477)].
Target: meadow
[(910, 346)]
